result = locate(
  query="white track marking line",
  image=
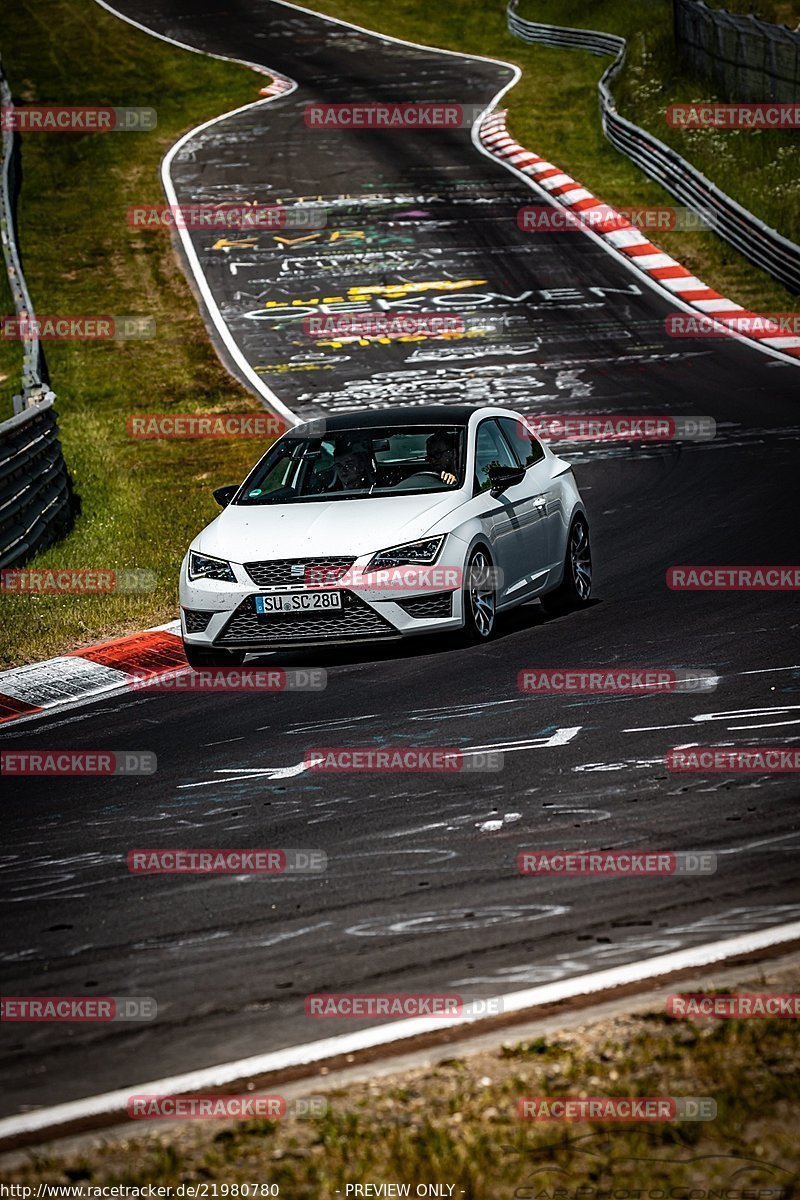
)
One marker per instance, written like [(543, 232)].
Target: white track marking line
[(227, 338), (395, 1031)]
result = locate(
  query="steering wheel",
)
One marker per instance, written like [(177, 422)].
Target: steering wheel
[(417, 476)]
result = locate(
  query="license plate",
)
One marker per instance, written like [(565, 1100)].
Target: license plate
[(298, 602)]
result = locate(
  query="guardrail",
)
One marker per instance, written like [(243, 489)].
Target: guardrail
[(37, 503), (757, 241)]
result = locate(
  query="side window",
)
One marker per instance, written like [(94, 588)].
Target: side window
[(527, 449), (491, 450)]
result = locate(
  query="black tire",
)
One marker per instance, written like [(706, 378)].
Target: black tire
[(202, 656), (480, 597), (575, 589)]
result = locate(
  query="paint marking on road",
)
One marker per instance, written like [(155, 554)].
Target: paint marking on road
[(311, 1053)]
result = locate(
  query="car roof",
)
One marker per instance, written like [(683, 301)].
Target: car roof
[(419, 414)]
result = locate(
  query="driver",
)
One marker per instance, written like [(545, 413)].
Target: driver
[(441, 454), (352, 467)]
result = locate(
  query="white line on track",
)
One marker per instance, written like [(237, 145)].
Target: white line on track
[(109, 1103)]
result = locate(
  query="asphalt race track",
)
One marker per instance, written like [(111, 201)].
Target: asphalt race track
[(422, 891)]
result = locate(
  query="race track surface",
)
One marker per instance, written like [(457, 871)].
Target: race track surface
[(421, 891)]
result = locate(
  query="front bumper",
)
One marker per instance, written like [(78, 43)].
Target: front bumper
[(223, 615)]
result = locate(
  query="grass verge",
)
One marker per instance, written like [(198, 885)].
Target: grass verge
[(142, 501), (456, 1124), (553, 111)]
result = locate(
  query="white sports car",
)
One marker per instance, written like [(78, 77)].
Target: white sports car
[(385, 524)]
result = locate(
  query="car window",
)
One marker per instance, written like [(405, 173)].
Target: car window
[(527, 449), (491, 450), (359, 463)]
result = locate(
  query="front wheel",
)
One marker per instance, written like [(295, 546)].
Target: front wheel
[(203, 656), (575, 589), (480, 599)]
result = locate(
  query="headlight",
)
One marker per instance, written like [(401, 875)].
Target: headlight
[(424, 551), (203, 567)]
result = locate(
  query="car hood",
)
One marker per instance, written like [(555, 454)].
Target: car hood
[(335, 527)]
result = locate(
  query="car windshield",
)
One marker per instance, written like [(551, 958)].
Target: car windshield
[(358, 464)]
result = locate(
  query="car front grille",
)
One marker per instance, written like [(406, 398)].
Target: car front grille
[(354, 620), (196, 621), (277, 572), (437, 604)]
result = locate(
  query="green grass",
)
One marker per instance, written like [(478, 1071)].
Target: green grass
[(456, 1123), (553, 111), (142, 501)]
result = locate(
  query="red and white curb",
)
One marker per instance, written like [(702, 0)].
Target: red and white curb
[(616, 231), (93, 671)]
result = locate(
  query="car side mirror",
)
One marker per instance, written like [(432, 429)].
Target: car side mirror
[(502, 478), (224, 495)]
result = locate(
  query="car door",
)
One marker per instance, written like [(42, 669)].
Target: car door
[(513, 525), (542, 532)]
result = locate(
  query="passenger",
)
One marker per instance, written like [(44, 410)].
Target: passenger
[(441, 454), (352, 469)]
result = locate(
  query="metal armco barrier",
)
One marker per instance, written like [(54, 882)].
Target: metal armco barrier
[(759, 243), (37, 503)]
